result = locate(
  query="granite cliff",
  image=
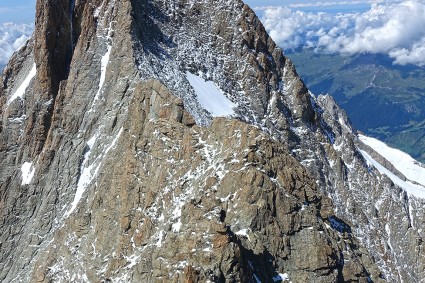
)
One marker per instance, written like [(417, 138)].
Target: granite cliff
[(116, 166)]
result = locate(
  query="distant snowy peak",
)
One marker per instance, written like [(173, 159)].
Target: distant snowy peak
[(412, 169)]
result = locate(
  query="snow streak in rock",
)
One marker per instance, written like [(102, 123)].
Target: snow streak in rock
[(104, 64), (282, 277), (21, 90), (89, 172), (86, 176)]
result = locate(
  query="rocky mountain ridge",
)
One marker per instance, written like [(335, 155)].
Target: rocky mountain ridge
[(113, 171)]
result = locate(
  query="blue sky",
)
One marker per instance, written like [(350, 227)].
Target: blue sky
[(329, 6), (17, 11), (22, 11), (393, 27)]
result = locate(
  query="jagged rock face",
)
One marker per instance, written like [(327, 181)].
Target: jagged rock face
[(384, 217), (201, 203), (113, 171)]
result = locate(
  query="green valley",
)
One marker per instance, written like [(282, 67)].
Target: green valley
[(383, 100)]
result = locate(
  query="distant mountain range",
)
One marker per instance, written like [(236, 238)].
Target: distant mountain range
[(383, 100)]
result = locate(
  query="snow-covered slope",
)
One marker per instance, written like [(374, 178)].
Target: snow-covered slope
[(210, 96), (412, 169), (411, 188)]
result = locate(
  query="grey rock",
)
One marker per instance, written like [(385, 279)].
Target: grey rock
[(135, 182)]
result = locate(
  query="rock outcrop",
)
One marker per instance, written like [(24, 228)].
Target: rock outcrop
[(113, 171)]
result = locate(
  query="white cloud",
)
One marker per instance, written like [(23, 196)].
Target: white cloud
[(12, 36), (310, 4), (330, 3), (414, 55), (392, 27)]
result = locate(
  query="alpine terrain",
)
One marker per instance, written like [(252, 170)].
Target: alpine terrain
[(382, 99), (171, 141)]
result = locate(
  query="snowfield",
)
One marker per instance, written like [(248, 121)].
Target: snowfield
[(210, 96), (409, 167), (402, 161)]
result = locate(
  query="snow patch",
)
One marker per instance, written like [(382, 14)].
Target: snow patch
[(208, 249), (132, 261), (210, 96), (17, 120), (28, 171), (160, 236), (97, 11), (21, 90), (300, 131), (344, 125), (176, 226), (281, 277), (244, 233)]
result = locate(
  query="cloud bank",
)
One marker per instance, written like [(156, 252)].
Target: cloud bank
[(12, 36), (395, 28), (330, 3)]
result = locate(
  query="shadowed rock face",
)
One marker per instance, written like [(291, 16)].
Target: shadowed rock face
[(126, 177)]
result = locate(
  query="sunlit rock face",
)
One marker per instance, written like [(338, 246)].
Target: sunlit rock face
[(160, 141)]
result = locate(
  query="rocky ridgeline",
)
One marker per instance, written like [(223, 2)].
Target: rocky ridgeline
[(112, 171)]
